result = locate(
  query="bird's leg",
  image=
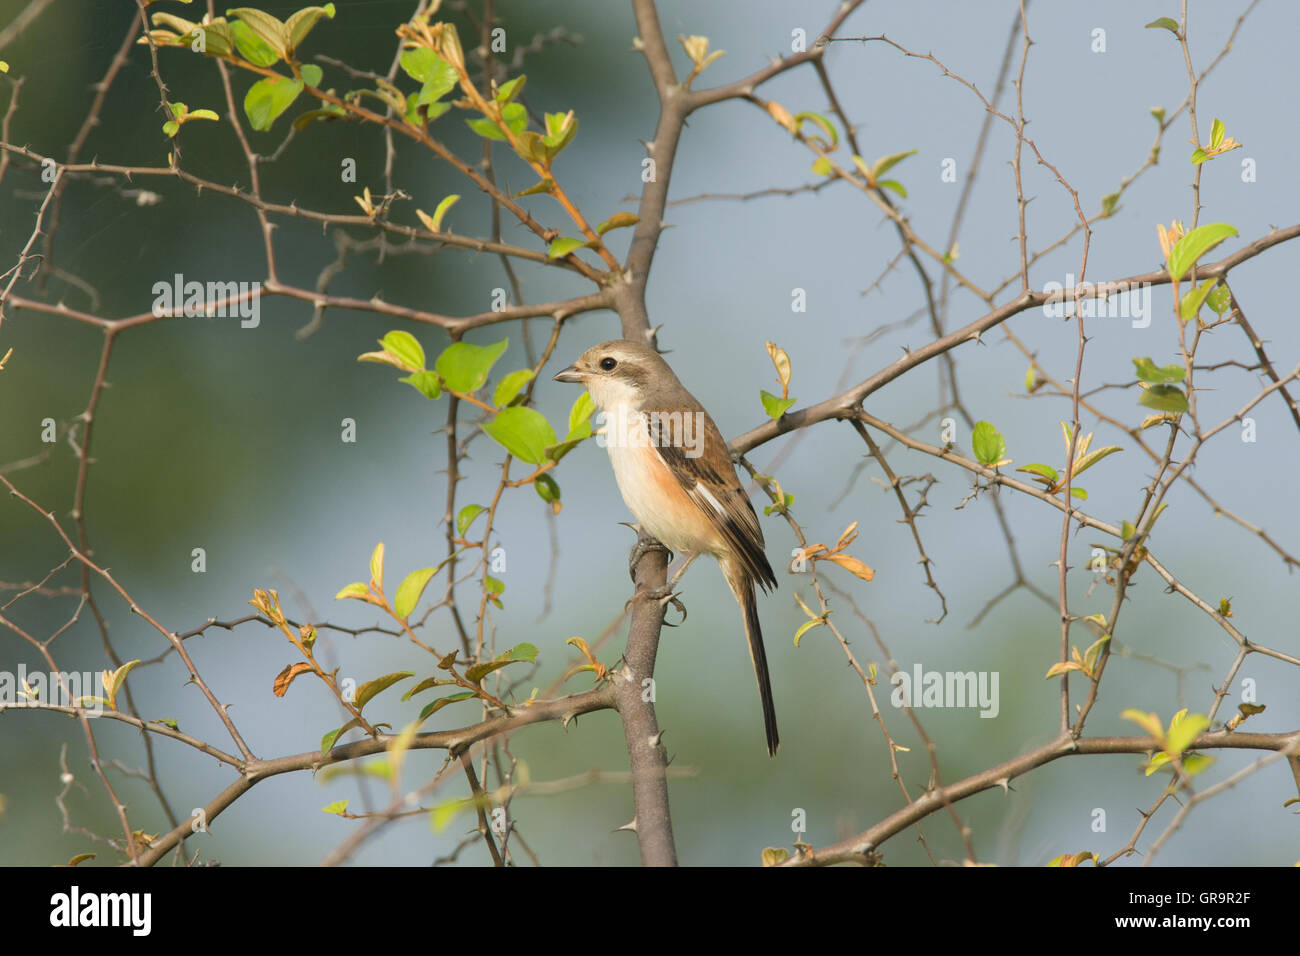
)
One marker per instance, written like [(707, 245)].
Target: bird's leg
[(644, 545), (690, 559)]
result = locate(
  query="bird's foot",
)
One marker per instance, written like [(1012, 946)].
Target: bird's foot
[(644, 545)]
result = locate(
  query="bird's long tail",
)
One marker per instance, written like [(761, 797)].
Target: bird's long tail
[(743, 588)]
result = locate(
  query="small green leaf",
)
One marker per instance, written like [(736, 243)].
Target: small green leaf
[(425, 382), (1147, 371), (509, 91), (410, 590), (438, 213), (330, 739), (265, 27), (894, 185), (311, 74), (886, 163), (1164, 398), (826, 125), (1219, 299), (562, 246), (1090, 459), (580, 414), (1191, 303), (822, 166), (514, 115), (372, 687), (618, 221), (1079, 493), (1216, 133), (560, 449), (1042, 473), (1127, 529), (804, 628), (171, 128), (1183, 729), (354, 590), (775, 407), (466, 518), (464, 367), (1195, 244), (268, 98), (522, 431), (1108, 204), (433, 707), (1164, 23), (300, 24), (338, 806), (1199, 156), (988, 444), (547, 488), (510, 387), (405, 346)]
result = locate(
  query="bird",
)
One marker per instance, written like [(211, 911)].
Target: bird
[(675, 473)]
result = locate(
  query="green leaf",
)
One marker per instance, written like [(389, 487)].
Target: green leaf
[(327, 113), (514, 115), (822, 166), (311, 74), (560, 130), (268, 98), (439, 79), (356, 589), (203, 114), (1079, 493), (118, 679), (988, 444), (805, 627), (1147, 371), (410, 590), (510, 387), (433, 707), (464, 367), (299, 25), (1043, 472), (466, 518), (618, 221), (826, 125), (1164, 398), (524, 652), (1090, 459), (545, 186), (262, 25), (171, 127), (1108, 204), (893, 184), (425, 382), (1127, 529), (580, 414), (1191, 303), (1220, 299), (1199, 156), (560, 449), (775, 407), (509, 91), (1164, 23), (1183, 729), (1194, 763), (372, 687), (562, 246), (1216, 133), (441, 210), (886, 163), (405, 346), (427, 684), (547, 488), (1195, 244), (522, 431), (338, 806)]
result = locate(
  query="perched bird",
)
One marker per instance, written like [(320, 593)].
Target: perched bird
[(677, 478)]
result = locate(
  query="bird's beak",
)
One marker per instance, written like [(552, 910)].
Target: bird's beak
[(571, 374)]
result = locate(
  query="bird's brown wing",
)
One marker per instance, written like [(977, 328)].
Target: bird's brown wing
[(709, 480)]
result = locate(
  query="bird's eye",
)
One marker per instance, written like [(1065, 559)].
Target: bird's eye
[(608, 363)]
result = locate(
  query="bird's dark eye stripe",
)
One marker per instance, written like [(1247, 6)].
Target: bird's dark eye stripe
[(608, 363)]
